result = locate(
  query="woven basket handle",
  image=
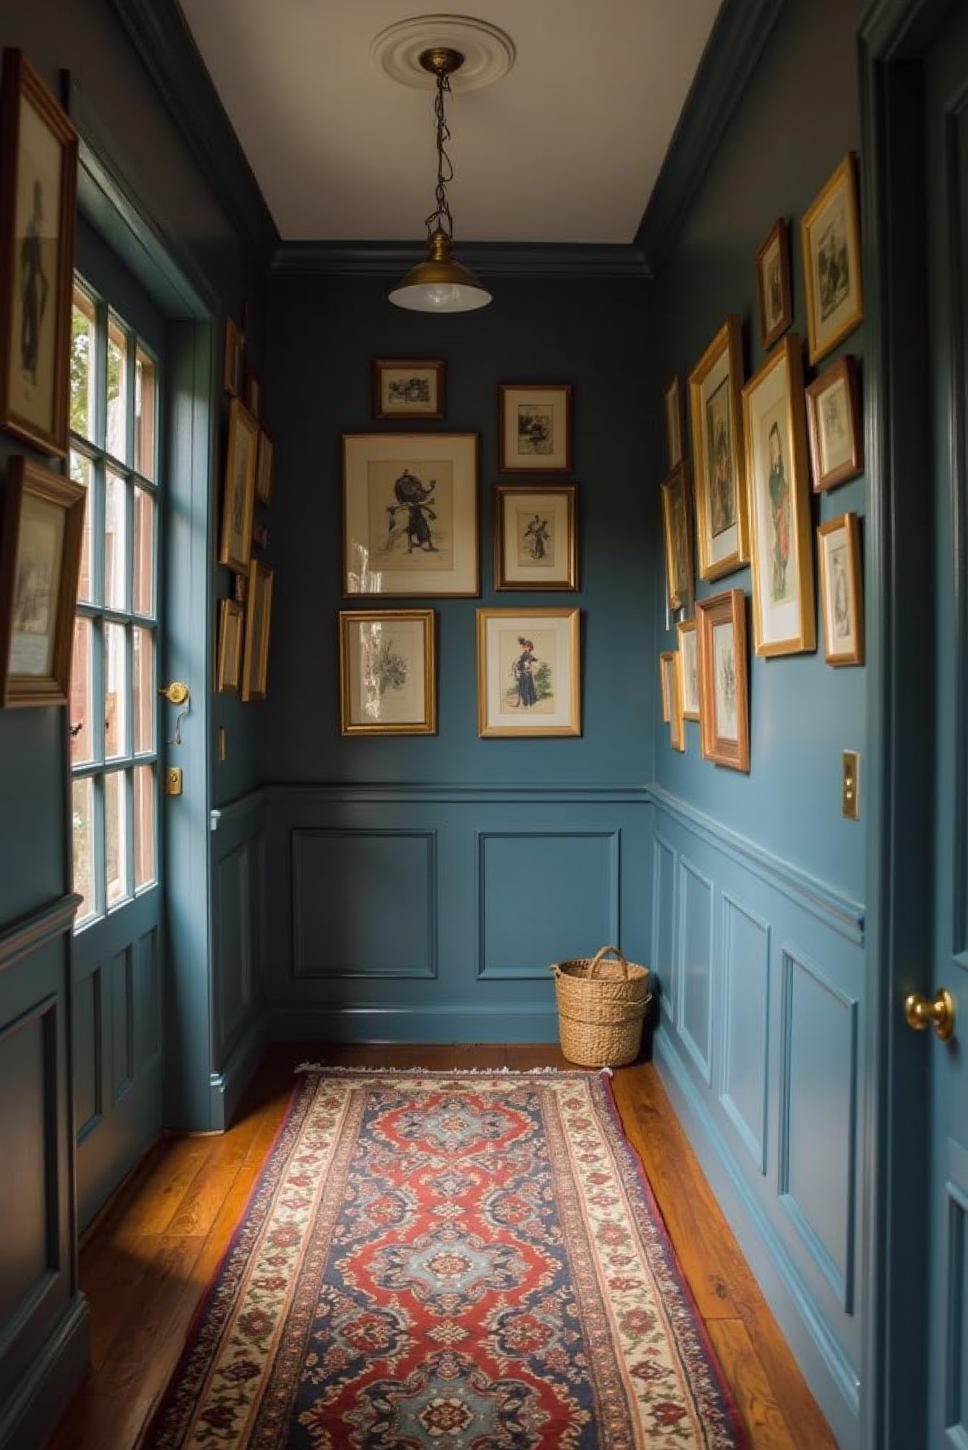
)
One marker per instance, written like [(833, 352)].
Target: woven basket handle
[(599, 956)]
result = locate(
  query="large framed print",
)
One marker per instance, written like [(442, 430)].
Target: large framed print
[(535, 538), (241, 454), (689, 668), (534, 427), (841, 599), (409, 388), (528, 672), (831, 261), (719, 459), (672, 697), (779, 488), (38, 192), (410, 514), (387, 672), (258, 617), (724, 727), (677, 532), (836, 436)]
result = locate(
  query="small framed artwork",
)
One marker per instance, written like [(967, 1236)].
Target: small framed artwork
[(260, 536), (528, 672), (252, 392), (240, 467), (831, 259), (387, 672), (258, 617), (534, 427), (664, 694), (672, 697), (229, 671), (689, 668), (724, 686), (38, 190), (836, 436), (718, 455), (232, 359), (677, 530), (773, 283), (782, 558), (263, 468), (41, 528), (240, 588), (841, 599), (535, 536), (410, 514), (673, 422), (409, 388)]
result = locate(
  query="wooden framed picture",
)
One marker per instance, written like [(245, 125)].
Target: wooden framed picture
[(534, 427), (252, 392), (263, 468), (719, 458), (528, 672), (38, 192), (841, 596), (773, 283), (672, 398), (781, 553), (258, 618), (387, 660), (724, 685), (239, 498), (836, 435), (410, 514), (232, 359), (672, 697), (41, 529), (535, 536), (230, 623), (831, 260), (689, 668), (409, 388), (677, 532)]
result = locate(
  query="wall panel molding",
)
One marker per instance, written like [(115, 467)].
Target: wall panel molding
[(665, 918), (29, 933), (695, 965), (745, 1029)]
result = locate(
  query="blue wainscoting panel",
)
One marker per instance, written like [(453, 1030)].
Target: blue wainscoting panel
[(233, 904), (28, 1196), (746, 1019), (664, 860), (88, 1049), (696, 965)]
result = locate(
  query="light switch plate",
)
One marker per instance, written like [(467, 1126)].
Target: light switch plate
[(850, 785)]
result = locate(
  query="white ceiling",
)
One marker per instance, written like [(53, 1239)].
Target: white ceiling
[(565, 148)]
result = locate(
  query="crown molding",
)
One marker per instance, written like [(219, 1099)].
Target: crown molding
[(489, 259)]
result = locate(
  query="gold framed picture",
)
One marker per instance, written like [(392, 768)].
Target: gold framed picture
[(677, 532), (672, 697), (409, 387), (263, 468), (387, 665), (719, 458), (689, 668), (38, 191), (252, 392), (773, 283), (831, 260), (258, 618), (534, 427), (672, 398), (841, 596), (240, 468), (232, 359), (528, 672), (410, 514), (781, 556), (724, 684), (229, 665), (836, 436), (41, 530), (535, 536)]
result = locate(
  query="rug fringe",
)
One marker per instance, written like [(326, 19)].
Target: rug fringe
[(442, 1071)]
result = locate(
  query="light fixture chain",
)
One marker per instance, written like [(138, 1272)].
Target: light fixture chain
[(442, 215)]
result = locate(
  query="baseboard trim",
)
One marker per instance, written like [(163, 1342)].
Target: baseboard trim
[(228, 1085), (31, 1415), (429, 1025)]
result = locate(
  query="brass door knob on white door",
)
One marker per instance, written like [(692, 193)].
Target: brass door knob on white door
[(938, 1012)]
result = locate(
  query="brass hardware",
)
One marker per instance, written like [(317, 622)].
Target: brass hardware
[(850, 785), (938, 1012), (176, 693), (173, 780), (440, 60)]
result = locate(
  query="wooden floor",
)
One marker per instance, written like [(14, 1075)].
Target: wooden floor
[(148, 1259)]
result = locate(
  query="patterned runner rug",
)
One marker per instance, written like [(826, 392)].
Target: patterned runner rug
[(449, 1260)]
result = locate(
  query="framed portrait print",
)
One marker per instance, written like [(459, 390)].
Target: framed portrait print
[(232, 359), (528, 672), (689, 668), (409, 388), (263, 468), (535, 538), (719, 459), (258, 617), (831, 259), (672, 398), (724, 686), (677, 531), (387, 672), (240, 468), (773, 283), (781, 556), (230, 620), (38, 191), (410, 514), (672, 697), (836, 436), (41, 528), (534, 427), (841, 598)]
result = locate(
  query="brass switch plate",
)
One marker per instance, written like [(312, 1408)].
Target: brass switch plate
[(850, 785), (173, 780)]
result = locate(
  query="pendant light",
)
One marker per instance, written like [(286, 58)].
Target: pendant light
[(441, 284)]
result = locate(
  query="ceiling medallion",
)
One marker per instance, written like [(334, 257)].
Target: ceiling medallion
[(488, 53)]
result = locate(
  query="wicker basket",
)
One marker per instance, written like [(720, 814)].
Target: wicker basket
[(601, 1008)]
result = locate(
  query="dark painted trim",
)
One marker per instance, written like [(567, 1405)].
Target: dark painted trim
[(336, 1022), (28, 933), (30, 1417), (490, 259), (228, 1085)]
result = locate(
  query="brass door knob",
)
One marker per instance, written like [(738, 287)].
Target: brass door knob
[(176, 693), (937, 1012)]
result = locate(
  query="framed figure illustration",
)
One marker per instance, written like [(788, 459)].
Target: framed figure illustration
[(387, 672), (841, 597), (241, 456), (409, 388), (773, 283), (836, 436), (831, 260), (719, 459), (535, 537), (677, 531), (724, 689), (229, 668), (534, 427), (689, 668), (528, 672)]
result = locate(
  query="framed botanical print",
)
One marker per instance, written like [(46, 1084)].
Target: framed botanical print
[(773, 283), (831, 259), (672, 698), (841, 598), (258, 617), (387, 672), (41, 529), (724, 686), (232, 359), (38, 191), (534, 427), (230, 620), (719, 458), (677, 531), (672, 398), (409, 388), (528, 672), (836, 436), (689, 668), (781, 556), (263, 468), (240, 468), (410, 514), (535, 537)]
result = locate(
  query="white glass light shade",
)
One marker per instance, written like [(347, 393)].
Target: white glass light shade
[(440, 284)]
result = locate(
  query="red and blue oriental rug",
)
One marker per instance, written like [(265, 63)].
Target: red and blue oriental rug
[(448, 1261)]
